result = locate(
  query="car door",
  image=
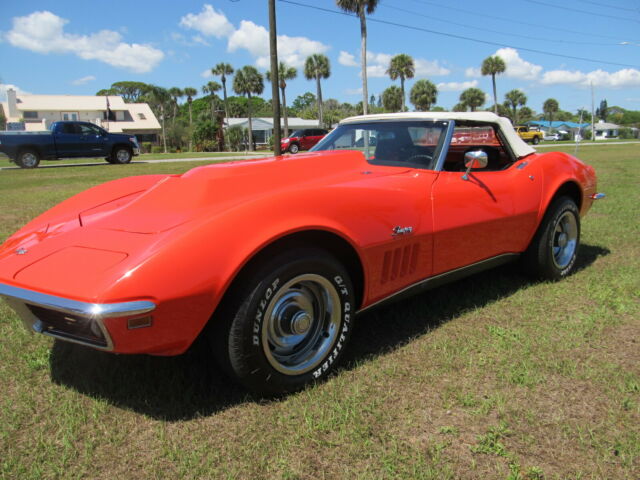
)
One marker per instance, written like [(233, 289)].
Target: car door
[(67, 139), (493, 212), (92, 141)]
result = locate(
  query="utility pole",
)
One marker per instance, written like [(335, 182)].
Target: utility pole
[(275, 94), (593, 125)]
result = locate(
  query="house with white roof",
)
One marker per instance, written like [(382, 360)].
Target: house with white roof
[(37, 112), (262, 127), (606, 130)]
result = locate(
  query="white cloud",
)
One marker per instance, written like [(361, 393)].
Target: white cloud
[(206, 73), (516, 66), (83, 80), (353, 91), (208, 22), (43, 32), (427, 68), (456, 86), (255, 39), (6, 86), (627, 77), (473, 72), (347, 59)]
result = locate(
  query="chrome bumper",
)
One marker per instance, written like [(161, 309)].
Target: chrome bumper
[(64, 318)]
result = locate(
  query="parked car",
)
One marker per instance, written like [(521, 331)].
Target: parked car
[(529, 134), (68, 140), (302, 140), (271, 260)]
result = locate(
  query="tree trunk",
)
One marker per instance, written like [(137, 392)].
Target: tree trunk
[(190, 129), (319, 100), (402, 89), (495, 94), (224, 92), (363, 54), (164, 135), (284, 112), (250, 126)]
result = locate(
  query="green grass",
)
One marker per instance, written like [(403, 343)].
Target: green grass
[(492, 377)]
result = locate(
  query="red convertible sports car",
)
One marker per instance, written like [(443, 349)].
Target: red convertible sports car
[(272, 259)]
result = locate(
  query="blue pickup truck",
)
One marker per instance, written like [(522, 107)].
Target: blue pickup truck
[(68, 140)]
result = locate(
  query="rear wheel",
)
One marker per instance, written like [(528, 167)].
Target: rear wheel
[(553, 251), (121, 155), (535, 140), (286, 324), (28, 159)]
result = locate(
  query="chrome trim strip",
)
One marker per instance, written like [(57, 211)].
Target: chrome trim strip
[(445, 146), (598, 196), (18, 299), (443, 278)]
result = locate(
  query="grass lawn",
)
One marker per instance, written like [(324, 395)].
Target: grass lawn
[(492, 377)]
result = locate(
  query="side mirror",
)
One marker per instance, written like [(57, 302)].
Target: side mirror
[(474, 159)]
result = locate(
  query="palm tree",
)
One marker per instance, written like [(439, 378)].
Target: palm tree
[(248, 81), (176, 94), (285, 73), (473, 98), (512, 100), (423, 95), (210, 89), (358, 7), (223, 69), (190, 92), (159, 98), (549, 108), (317, 66), (493, 66), (392, 99), (401, 67)]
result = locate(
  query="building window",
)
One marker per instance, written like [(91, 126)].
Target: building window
[(141, 116), (73, 116), (29, 115)]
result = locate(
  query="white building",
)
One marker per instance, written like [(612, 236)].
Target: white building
[(606, 130), (262, 127), (37, 112)]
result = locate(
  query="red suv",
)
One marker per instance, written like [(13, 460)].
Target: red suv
[(302, 140)]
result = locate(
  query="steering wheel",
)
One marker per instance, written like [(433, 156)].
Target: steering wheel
[(418, 156)]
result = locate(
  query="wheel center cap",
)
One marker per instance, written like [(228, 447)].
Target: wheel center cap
[(300, 323), (562, 240)]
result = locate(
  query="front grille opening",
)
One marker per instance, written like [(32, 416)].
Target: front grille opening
[(72, 327)]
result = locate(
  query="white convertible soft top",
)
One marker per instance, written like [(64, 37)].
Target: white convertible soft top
[(518, 146)]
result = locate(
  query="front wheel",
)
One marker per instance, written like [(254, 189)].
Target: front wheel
[(286, 324), (554, 248), (28, 159), (294, 148), (535, 140), (121, 155)]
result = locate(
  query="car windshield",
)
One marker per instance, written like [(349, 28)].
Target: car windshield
[(297, 133), (400, 143)]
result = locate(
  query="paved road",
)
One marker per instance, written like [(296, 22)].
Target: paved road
[(586, 143)]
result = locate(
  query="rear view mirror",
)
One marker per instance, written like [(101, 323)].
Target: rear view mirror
[(475, 159)]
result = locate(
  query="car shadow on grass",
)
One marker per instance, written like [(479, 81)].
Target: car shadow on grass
[(190, 385)]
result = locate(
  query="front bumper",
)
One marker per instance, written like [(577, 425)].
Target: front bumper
[(136, 151), (70, 320)]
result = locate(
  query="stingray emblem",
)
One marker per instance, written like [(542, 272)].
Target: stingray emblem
[(401, 231), (21, 251)]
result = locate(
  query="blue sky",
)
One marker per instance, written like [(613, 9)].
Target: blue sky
[(73, 47)]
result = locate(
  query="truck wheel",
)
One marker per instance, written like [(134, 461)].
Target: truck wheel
[(535, 140), (28, 159), (121, 155)]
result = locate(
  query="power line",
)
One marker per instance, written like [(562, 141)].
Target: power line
[(539, 39), (461, 37), (574, 10), (511, 20), (634, 10)]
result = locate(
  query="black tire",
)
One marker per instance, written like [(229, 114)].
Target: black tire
[(121, 155), (294, 148), (553, 251), (535, 140), (28, 158), (108, 159), (286, 323)]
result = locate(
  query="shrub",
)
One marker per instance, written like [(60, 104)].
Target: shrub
[(146, 147), (156, 149)]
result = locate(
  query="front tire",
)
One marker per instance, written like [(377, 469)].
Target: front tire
[(553, 251), (121, 155), (286, 324), (294, 148), (535, 140), (28, 159)]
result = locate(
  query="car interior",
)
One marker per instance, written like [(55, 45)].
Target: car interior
[(468, 138)]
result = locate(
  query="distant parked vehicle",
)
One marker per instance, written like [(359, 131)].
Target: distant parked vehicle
[(528, 134), (68, 140), (302, 140)]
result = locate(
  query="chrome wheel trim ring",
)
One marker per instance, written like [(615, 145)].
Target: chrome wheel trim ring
[(565, 240), (29, 159), (122, 155), (301, 324)]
